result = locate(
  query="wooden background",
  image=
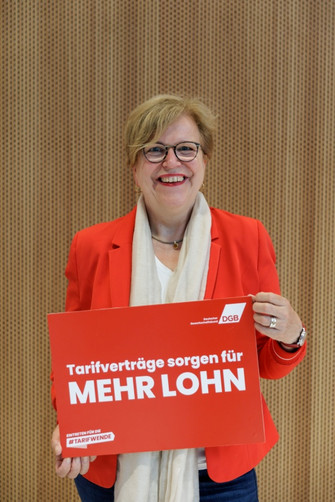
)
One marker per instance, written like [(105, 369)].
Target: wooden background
[(71, 71)]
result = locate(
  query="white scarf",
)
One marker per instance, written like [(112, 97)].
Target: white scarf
[(165, 476)]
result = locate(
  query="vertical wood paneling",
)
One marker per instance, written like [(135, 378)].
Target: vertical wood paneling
[(70, 74)]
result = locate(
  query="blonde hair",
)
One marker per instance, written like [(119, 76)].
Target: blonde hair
[(149, 120)]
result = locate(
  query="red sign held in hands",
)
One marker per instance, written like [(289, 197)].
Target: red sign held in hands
[(158, 377)]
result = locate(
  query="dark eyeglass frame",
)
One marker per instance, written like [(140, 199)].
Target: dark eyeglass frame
[(167, 148)]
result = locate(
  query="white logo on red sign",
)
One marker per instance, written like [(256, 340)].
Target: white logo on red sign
[(232, 313), (82, 441)]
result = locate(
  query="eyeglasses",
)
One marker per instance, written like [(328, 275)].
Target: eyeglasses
[(185, 151)]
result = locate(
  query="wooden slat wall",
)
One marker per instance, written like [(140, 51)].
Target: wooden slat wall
[(71, 71)]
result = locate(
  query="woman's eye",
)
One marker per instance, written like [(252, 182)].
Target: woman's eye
[(186, 148), (155, 149)]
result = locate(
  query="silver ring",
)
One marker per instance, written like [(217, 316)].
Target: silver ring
[(273, 322)]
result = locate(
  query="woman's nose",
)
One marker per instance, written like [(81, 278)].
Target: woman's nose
[(171, 159)]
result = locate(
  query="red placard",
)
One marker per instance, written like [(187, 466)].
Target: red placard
[(158, 377)]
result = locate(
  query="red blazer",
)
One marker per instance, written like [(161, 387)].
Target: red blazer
[(242, 261)]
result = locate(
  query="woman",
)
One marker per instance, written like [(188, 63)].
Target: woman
[(173, 247)]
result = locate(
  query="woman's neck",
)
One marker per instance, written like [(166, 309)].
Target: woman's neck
[(168, 228)]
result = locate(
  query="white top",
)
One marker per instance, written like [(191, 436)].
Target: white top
[(164, 275)]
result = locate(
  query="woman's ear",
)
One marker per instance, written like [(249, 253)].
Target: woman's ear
[(133, 168)]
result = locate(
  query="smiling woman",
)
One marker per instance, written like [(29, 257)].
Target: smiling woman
[(172, 247), (169, 184)]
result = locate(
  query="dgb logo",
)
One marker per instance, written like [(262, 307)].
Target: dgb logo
[(232, 313)]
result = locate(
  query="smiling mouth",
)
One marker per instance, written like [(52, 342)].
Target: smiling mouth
[(172, 179)]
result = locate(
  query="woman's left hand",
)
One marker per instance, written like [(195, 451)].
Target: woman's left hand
[(276, 311)]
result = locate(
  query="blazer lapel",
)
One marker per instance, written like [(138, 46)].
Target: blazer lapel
[(120, 262), (213, 262), (225, 274)]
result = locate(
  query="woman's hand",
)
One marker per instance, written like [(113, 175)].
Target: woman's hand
[(271, 309), (68, 467)]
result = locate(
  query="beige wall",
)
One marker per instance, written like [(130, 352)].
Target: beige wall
[(70, 73)]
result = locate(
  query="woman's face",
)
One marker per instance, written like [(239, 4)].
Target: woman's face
[(170, 187)]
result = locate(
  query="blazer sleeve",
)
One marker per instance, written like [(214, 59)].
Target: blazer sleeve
[(72, 296), (274, 361)]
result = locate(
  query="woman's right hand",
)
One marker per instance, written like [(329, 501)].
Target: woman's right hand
[(68, 467)]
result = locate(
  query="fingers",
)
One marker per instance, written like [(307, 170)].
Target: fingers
[(55, 441), (71, 467), (269, 301), (84, 465), (270, 313), (267, 305), (63, 466), (274, 317), (68, 467), (269, 322), (79, 465)]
